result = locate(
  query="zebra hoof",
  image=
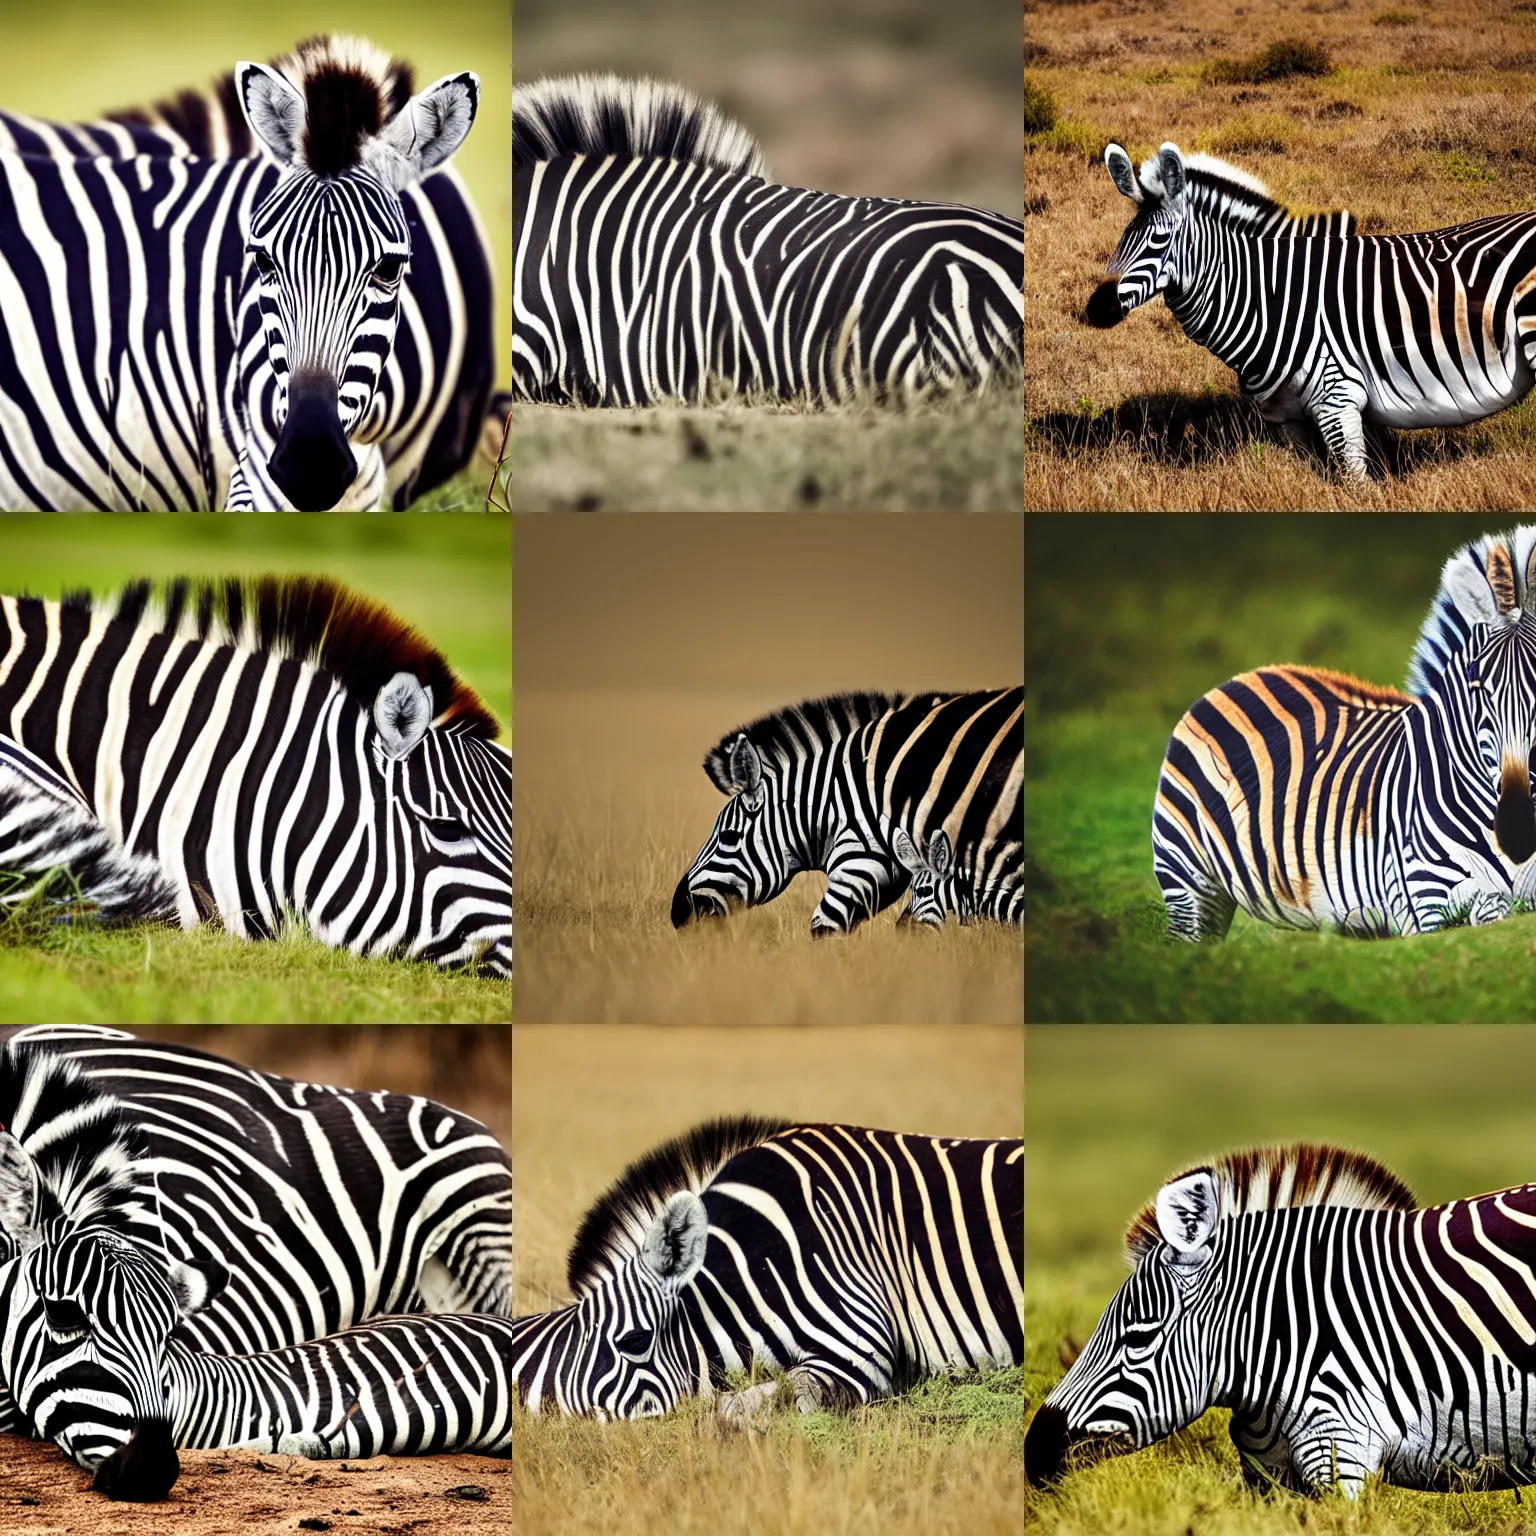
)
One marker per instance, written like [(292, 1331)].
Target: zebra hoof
[(750, 1408)]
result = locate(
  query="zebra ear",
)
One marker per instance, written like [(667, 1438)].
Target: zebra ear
[(1122, 173), (746, 766), (431, 126), (402, 713), (1470, 590), (673, 1249), (196, 1282), (940, 852), (906, 853), (1170, 165), (274, 109), (1186, 1215), (19, 1195)]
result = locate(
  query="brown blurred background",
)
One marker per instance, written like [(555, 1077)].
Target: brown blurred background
[(894, 98), (642, 642)]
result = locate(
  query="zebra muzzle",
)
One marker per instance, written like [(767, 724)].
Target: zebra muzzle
[(145, 1469), (1052, 1448), (1515, 823), (1103, 309), (312, 464)]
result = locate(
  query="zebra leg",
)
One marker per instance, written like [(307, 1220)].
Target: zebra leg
[(1199, 905), (860, 883), (1489, 907), (1335, 404)]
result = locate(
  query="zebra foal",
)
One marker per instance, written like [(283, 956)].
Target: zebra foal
[(1319, 323), (1352, 1334), (1311, 799)]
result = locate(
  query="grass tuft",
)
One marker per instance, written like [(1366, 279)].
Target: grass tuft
[(1279, 61), (1039, 110)]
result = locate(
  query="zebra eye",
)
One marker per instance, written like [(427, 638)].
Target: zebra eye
[(66, 1319), (634, 1345), (730, 838), (389, 270), (266, 268)]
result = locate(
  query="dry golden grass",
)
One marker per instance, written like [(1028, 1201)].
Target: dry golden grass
[(1419, 125), (640, 644), (588, 1099)]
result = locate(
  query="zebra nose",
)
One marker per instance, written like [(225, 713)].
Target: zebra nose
[(1103, 309), (682, 903), (145, 1469), (1045, 1446), (1515, 824), (312, 464)]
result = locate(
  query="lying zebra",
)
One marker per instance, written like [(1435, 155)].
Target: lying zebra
[(209, 1199), (255, 750), (828, 785), (853, 1261), (1311, 799), (1352, 1334), (1320, 323)]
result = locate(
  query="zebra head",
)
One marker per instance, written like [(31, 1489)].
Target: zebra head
[(748, 858), (1150, 1367), (1496, 680), (451, 791), (933, 886), (1143, 264), (329, 247)]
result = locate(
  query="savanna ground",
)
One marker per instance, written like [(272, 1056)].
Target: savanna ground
[(451, 578), (878, 97), (1115, 1111), (1422, 119), (43, 1494), (1129, 621), (642, 643), (942, 1460)]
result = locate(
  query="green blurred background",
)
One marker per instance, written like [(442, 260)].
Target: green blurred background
[(1128, 620), (449, 574), (79, 58)]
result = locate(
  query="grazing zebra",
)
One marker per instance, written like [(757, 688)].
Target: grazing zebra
[(824, 784), (1320, 323), (1312, 799), (259, 750), (297, 1210), (654, 260), (854, 1261), (435, 389), (1351, 1334), (180, 332)]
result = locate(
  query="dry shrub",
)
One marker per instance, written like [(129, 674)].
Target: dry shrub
[(1039, 110), (1281, 60), (1394, 19)]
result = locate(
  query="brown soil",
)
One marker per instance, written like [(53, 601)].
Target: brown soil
[(220, 1492)]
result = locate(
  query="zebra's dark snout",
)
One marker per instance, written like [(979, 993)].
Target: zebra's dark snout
[(312, 464), (1103, 309), (145, 1469), (682, 904), (1045, 1446), (1515, 823)]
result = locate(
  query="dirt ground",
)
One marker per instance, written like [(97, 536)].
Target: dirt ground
[(43, 1494)]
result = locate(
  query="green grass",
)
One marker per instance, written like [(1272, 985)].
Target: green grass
[(1128, 621), (963, 455), (1114, 1111), (450, 576)]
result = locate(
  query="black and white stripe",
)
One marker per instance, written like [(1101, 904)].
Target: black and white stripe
[(654, 260), (187, 331), (1319, 323), (265, 750), (1351, 1334), (855, 1261), (828, 784)]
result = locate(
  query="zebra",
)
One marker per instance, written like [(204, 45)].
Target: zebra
[(654, 260), (1353, 1334), (258, 750), (295, 1211), (853, 1261), (1312, 799), (434, 394), (823, 785), (183, 333), (1319, 322)]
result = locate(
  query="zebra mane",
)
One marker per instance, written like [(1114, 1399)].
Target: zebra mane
[(786, 731), (81, 1141), (1223, 192), (612, 1231), (1445, 629), (355, 638), (352, 89), (608, 115), (1303, 1173)]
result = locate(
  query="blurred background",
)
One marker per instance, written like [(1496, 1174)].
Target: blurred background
[(1129, 620), (449, 574), (76, 59), (641, 642), (894, 98)]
